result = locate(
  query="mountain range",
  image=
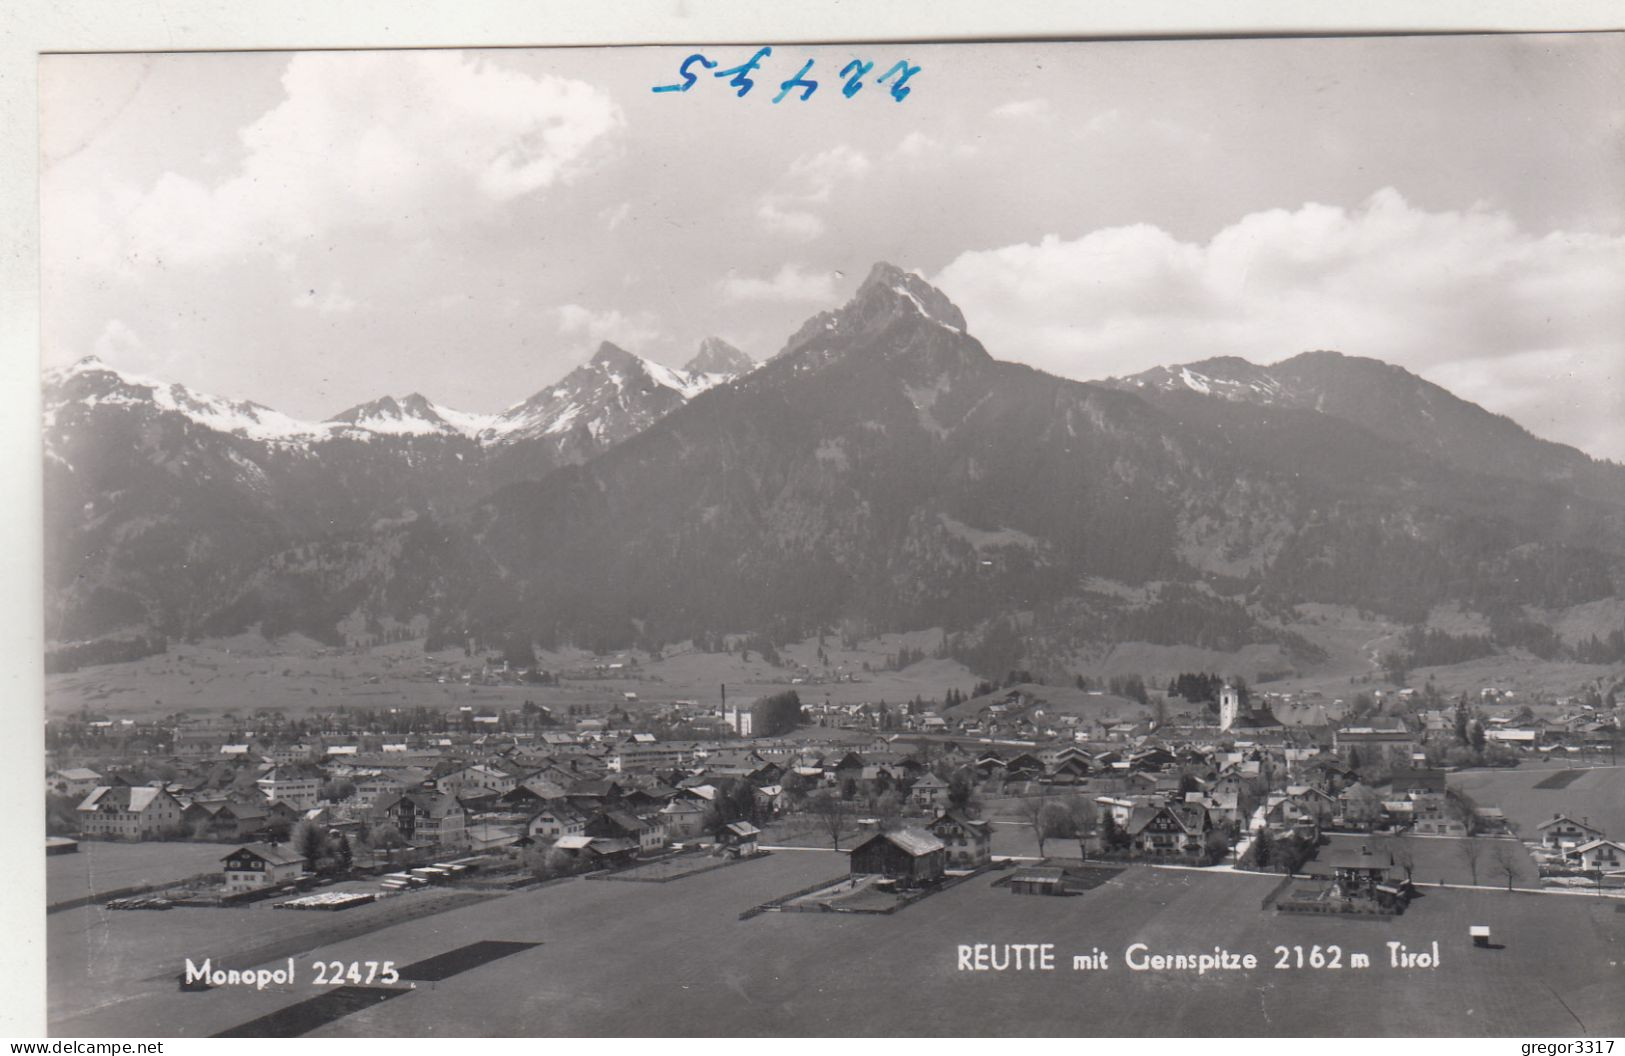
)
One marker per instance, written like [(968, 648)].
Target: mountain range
[(882, 470), (155, 493)]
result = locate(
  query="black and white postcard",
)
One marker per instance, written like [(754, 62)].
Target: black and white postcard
[(1059, 538)]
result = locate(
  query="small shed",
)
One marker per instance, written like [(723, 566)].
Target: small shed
[(739, 838), (1038, 880)]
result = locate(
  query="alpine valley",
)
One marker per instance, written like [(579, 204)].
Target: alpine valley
[(883, 471)]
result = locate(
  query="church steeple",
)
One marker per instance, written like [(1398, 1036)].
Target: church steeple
[(1229, 706)]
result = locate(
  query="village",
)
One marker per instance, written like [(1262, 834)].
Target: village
[(549, 795), (867, 809)]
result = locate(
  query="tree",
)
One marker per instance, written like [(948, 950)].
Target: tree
[(1084, 822), (337, 791), (1054, 823), (1112, 835), (1033, 808), (1263, 849), (1463, 809), (795, 788), (1400, 851), (343, 854), (310, 841), (1470, 852), (962, 789), (888, 807), (547, 861), (1506, 861), (832, 813)]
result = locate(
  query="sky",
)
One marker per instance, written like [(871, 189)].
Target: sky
[(314, 230)]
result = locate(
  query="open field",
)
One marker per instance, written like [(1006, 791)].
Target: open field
[(101, 964), (108, 866), (622, 959), (295, 675), (1599, 794)]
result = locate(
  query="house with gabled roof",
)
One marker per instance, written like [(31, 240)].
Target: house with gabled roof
[(621, 824), (1178, 828), (928, 791), (1599, 855), (598, 850), (555, 820), (258, 865), (128, 812), (683, 818), (1563, 832), (427, 818), (967, 842), (1359, 805), (908, 856), (73, 781), (295, 784), (739, 838)]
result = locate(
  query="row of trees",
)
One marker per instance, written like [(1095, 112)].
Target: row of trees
[(1285, 854)]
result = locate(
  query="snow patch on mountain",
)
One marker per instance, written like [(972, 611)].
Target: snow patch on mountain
[(613, 395), (90, 383)]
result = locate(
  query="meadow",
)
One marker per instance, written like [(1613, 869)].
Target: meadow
[(1598, 793), (675, 959)]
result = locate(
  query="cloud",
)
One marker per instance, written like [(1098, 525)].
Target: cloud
[(628, 331), (124, 346), (617, 215), (119, 343), (798, 223), (917, 146), (1023, 109), (792, 206), (790, 284), (1429, 291), (402, 140)]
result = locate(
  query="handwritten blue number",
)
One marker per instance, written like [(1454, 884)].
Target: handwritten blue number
[(798, 81), (741, 73), (688, 78), (899, 91), (853, 80)]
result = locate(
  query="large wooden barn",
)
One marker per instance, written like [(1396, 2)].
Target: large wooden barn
[(909, 856)]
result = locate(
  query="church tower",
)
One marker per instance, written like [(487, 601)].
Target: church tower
[(1229, 707)]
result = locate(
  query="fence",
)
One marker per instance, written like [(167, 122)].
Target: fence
[(792, 896), (1275, 892), (1337, 908), (126, 892), (723, 864), (781, 904)]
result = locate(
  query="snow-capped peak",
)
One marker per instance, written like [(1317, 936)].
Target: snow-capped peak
[(92, 383), (1227, 377), (411, 415), (612, 395), (888, 281)]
